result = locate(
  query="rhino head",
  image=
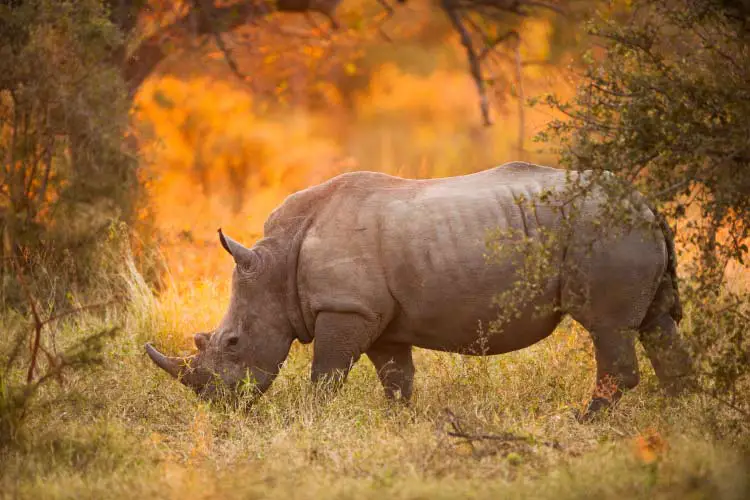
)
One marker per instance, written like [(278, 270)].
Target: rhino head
[(252, 340)]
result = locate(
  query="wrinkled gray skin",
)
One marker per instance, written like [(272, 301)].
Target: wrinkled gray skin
[(372, 264)]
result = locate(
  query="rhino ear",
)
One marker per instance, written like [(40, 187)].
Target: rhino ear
[(243, 256), (201, 340)]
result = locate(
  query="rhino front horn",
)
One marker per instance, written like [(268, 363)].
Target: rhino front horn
[(166, 363)]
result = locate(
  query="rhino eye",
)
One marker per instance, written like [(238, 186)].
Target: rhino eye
[(232, 341)]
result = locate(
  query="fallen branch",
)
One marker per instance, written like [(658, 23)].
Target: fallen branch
[(458, 432)]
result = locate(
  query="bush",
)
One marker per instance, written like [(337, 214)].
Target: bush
[(63, 117)]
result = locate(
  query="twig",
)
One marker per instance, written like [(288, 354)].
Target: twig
[(504, 437), (82, 308), (228, 57), (36, 345), (388, 9), (57, 369), (38, 324), (488, 49), (389, 12)]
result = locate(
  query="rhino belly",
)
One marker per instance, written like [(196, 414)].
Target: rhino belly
[(454, 318)]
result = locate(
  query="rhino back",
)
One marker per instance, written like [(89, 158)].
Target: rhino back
[(438, 234)]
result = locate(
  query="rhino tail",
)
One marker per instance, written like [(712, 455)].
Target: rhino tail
[(676, 309)]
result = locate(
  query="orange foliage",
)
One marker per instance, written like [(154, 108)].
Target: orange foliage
[(212, 163), (649, 447)]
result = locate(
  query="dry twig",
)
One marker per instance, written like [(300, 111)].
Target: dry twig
[(459, 432), (36, 343)]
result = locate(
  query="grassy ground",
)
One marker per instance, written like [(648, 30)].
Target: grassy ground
[(124, 430)]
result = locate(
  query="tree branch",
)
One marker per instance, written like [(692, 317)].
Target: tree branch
[(214, 21), (474, 64), (206, 10), (144, 59), (489, 48), (458, 12)]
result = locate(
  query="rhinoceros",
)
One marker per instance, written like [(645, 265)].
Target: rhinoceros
[(368, 263)]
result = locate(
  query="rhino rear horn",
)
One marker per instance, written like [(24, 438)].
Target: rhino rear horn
[(202, 340), (242, 255)]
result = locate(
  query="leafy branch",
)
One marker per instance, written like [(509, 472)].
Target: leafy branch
[(15, 397)]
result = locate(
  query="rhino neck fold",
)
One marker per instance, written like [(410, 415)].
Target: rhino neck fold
[(293, 304)]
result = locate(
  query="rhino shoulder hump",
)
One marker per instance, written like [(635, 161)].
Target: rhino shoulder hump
[(307, 202)]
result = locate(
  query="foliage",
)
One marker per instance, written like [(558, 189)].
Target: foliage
[(63, 116), (267, 47), (532, 257), (667, 109)]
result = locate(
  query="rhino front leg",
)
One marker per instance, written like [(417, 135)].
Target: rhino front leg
[(395, 368), (340, 339)]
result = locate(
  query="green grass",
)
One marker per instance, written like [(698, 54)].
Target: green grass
[(125, 430)]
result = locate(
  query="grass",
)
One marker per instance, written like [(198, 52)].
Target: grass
[(125, 430)]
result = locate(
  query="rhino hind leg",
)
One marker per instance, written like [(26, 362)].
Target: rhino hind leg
[(616, 368), (667, 353), (395, 368)]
